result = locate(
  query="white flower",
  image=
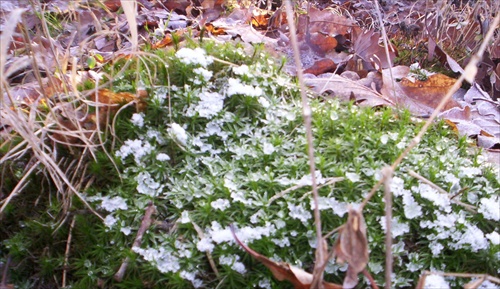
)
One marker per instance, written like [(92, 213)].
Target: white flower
[(307, 179), (397, 228), (134, 147), (194, 56), (113, 204), (411, 207), (494, 238), (435, 282), (205, 245), (353, 177), (185, 217), (220, 204), (162, 157), (469, 172), (298, 212), (110, 221), (236, 87), (147, 185), (164, 260), (264, 102), (268, 148), (490, 208), (232, 261), (126, 230), (384, 138), (178, 133), (210, 104), (138, 119), (441, 200), (436, 248), (241, 70), (205, 74)]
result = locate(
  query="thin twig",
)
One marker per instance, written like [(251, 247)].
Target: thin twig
[(307, 113), (146, 222), (66, 252), (464, 275), (328, 182), (468, 207), (387, 173)]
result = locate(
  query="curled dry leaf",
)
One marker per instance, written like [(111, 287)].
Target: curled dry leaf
[(284, 271), (345, 89), (352, 247), (421, 97)]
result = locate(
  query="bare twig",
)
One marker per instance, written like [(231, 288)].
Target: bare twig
[(468, 207), (146, 222), (306, 110), (464, 275), (387, 175), (469, 73), (66, 253), (329, 181)]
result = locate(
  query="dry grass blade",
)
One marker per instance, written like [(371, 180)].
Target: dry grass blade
[(307, 113), (130, 10), (387, 175)]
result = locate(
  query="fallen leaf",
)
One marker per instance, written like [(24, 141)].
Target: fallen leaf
[(321, 66), (345, 89), (352, 247), (421, 97), (283, 271)]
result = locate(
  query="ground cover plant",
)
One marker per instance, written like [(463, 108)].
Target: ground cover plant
[(215, 139), (223, 143)]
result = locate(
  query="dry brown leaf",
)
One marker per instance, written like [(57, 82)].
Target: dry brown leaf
[(284, 271), (420, 97), (366, 46), (321, 66), (352, 247), (345, 89)]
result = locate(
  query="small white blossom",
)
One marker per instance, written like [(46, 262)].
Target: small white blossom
[(435, 281), (205, 74), (384, 138), (162, 157), (210, 104), (236, 87), (194, 56), (134, 147), (205, 245), (494, 238), (268, 148), (264, 102), (126, 230), (113, 204), (220, 204), (490, 208), (185, 217), (353, 177), (469, 172), (241, 70), (298, 212), (110, 221), (178, 133), (138, 119), (397, 228)]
